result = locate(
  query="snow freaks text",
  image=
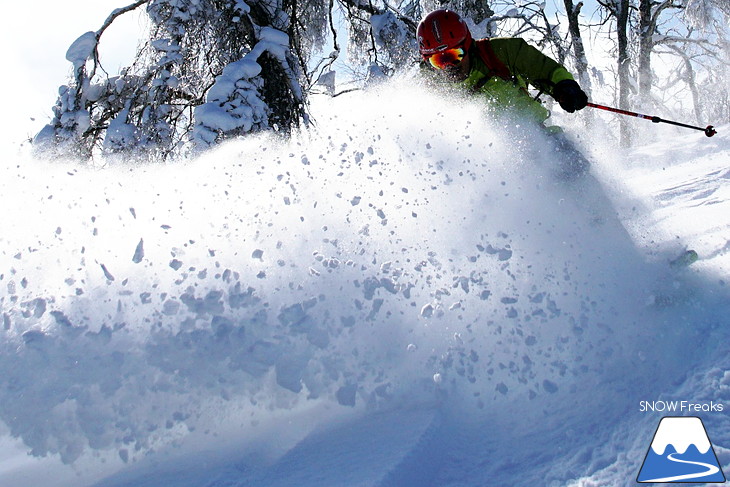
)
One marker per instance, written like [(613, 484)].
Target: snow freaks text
[(680, 407)]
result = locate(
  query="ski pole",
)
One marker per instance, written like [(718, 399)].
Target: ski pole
[(709, 130)]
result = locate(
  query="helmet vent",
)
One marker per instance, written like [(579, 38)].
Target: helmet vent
[(437, 32)]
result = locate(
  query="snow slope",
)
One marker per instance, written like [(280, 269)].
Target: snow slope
[(403, 296)]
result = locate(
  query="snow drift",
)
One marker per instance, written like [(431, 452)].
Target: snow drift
[(406, 258)]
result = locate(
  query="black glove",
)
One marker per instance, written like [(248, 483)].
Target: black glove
[(570, 96)]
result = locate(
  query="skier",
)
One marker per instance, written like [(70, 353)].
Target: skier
[(501, 69)]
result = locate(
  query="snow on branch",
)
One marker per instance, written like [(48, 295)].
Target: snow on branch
[(118, 12), (82, 49), (234, 104)]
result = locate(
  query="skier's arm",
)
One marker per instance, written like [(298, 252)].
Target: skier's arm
[(533, 66)]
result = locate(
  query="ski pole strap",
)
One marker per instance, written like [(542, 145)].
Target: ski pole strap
[(709, 130)]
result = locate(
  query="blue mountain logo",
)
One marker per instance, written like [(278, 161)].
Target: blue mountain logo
[(681, 452)]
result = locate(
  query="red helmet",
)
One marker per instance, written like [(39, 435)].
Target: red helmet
[(441, 30)]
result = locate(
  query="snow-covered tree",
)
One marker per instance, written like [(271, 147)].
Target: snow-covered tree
[(704, 14), (381, 35), (694, 31), (650, 12), (702, 44), (209, 70)]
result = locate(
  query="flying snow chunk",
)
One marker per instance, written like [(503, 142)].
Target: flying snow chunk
[(427, 311), (82, 49), (106, 272), (139, 252)]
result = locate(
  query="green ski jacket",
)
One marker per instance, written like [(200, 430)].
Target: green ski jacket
[(525, 66)]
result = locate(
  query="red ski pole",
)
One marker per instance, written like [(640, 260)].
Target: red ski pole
[(709, 130)]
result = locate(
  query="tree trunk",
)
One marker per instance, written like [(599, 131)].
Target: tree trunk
[(624, 83), (581, 62), (646, 44), (689, 77)]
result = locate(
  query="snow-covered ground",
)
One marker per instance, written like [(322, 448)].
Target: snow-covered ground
[(403, 296)]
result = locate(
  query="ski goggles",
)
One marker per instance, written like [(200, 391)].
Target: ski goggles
[(446, 59)]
